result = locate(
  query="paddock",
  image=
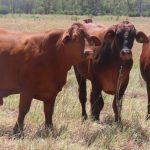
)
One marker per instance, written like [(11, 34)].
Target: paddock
[(69, 132)]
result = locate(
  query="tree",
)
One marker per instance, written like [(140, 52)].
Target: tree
[(78, 7), (139, 6)]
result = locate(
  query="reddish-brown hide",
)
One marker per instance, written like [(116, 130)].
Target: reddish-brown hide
[(103, 70), (145, 71), (35, 65)]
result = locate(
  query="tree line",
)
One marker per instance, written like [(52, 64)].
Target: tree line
[(77, 7)]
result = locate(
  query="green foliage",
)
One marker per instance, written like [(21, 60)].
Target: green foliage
[(4, 9), (77, 7), (134, 14)]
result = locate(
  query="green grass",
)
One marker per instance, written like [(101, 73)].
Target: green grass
[(69, 131)]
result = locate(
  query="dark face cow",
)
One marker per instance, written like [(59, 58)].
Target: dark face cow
[(110, 68), (145, 70), (35, 65)]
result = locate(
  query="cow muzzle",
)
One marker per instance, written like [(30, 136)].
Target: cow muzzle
[(126, 54), (88, 54)]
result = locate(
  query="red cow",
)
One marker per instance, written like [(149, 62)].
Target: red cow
[(113, 56), (35, 65), (145, 71)]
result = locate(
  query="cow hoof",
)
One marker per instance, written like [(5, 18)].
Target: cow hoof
[(118, 121), (148, 117), (18, 130), (95, 118), (84, 118), (49, 127), (48, 131), (18, 133)]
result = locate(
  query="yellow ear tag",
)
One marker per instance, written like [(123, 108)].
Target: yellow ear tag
[(141, 39), (92, 45)]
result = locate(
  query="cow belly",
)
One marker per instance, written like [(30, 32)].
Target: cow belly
[(108, 82), (9, 75), (45, 94), (109, 86), (8, 82), (7, 92), (47, 90)]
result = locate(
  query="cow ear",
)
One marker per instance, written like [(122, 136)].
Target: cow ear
[(110, 35), (95, 41), (141, 37), (66, 38)]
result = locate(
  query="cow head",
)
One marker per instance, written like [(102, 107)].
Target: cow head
[(74, 40), (122, 36), (91, 46), (96, 33)]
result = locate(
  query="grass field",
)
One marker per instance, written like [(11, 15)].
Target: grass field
[(69, 132)]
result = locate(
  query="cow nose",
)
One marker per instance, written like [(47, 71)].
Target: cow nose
[(126, 54), (88, 54), (75, 36), (125, 51)]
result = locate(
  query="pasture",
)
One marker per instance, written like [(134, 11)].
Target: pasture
[(69, 132)]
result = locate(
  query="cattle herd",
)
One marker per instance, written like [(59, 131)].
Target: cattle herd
[(35, 65)]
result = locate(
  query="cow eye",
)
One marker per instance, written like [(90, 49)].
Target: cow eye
[(119, 32), (120, 35)]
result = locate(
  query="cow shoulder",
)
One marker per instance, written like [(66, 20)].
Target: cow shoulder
[(52, 38)]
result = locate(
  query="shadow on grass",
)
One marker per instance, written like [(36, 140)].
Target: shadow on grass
[(88, 134), (29, 133), (8, 132), (5, 131), (133, 129), (54, 133), (111, 131)]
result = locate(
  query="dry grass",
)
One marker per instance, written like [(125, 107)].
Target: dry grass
[(69, 132)]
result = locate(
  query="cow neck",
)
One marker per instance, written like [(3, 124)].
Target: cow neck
[(116, 51), (63, 61), (54, 51)]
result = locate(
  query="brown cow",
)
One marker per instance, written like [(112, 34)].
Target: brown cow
[(145, 71), (35, 65), (113, 56)]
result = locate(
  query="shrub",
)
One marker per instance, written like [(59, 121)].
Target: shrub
[(146, 14), (4, 9), (134, 14)]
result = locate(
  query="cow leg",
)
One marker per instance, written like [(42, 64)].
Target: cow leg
[(48, 111), (82, 97), (120, 96), (96, 101), (1, 101), (24, 106), (148, 106), (82, 92)]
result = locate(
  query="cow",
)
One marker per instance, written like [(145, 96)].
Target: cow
[(109, 70), (35, 65), (145, 71)]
